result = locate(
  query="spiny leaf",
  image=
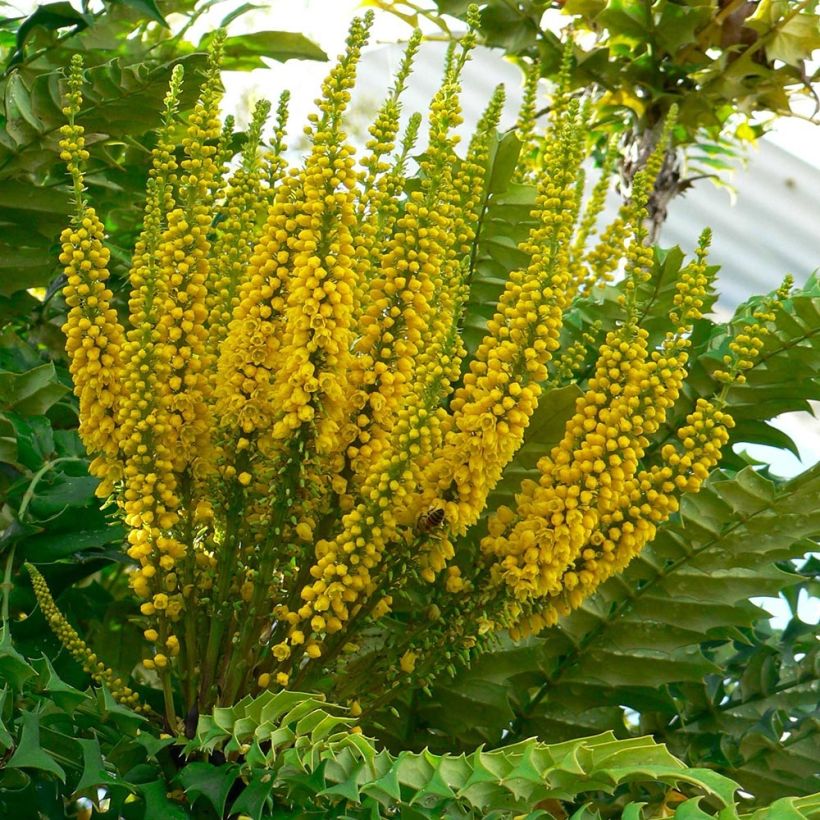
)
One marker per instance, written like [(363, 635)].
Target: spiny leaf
[(29, 754)]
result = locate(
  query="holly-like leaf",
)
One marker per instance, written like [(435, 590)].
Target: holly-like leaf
[(254, 796), (29, 754), (14, 669), (212, 783), (94, 773)]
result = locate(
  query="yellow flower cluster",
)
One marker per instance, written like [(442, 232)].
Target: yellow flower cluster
[(295, 433), (595, 505)]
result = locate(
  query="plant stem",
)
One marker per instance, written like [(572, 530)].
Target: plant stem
[(7, 587), (168, 699)]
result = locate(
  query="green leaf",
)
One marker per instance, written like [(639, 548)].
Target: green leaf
[(148, 8), (626, 20), (754, 431), (238, 12), (789, 37), (153, 745), (213, 783), (253, 798), (504, 159), (35, 439), (14, 669), (18, 105), (46, 548), (64, 695), (690, 810), (157, 804), (94, 773), (124, 718), (51, 16), (6, 740), (545, 430), (246, 51), (29, 754), (22, 268), (33, 392), (60, 491)]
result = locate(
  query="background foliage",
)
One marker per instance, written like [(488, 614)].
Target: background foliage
[(730, 66), (674, 649)]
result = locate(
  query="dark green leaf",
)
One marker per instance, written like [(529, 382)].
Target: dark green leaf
[(29, 754), (213, 783), (52, 16), (31, 393), (47, 548), (157, 804), (61, 491), (35, 440), (253, 798), (14, 669), (94, 774), (503, 163)]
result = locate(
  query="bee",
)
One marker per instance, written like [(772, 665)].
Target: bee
[(430, 520)]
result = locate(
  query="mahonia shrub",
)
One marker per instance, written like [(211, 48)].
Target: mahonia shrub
[(300, 443)]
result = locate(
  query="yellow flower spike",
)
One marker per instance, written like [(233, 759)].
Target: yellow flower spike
[(438, 364), (94, 336), (593, 509), (658, 156), (317, 332), (237, 232), (376, 370), (182, 255), (376, 208), (224, 146), (587, 275), (149, 481), (406, 327), (525, 125), (77, 647), (249, 354), (748, 340), (598, 264), (275, 163), (500, 393), (561, 98)]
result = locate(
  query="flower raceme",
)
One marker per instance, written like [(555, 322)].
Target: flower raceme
[(298, 440)]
